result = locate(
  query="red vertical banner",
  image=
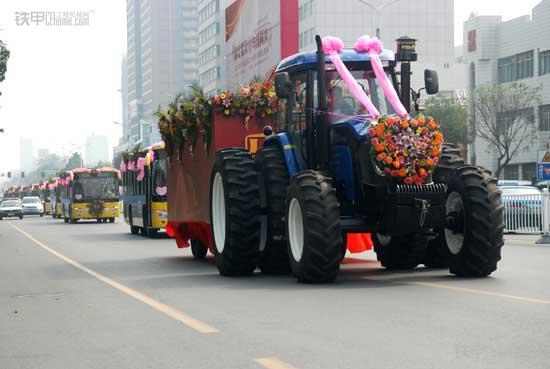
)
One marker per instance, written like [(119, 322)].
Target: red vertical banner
[(289, 27)]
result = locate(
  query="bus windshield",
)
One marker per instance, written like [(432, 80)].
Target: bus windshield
[(90, 187), (343, 105), (159, 176)]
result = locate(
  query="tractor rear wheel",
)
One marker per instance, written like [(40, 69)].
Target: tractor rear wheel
[(400, 252), (198, 249), (475, 232), (451, 159), (274, 256), (315, 243), (235, 212)]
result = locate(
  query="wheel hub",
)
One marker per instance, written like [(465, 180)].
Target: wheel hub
[(454, 232), (218, 212), (296, 229)]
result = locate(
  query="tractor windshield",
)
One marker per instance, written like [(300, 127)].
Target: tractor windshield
[(343, 105)]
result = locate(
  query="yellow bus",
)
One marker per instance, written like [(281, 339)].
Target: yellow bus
[(90, 194), (55, 198), (144, 191)]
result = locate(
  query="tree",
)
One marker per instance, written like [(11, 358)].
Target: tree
[(75, 161), (505, 119), (103, 164), (4, 56), (452, 116)]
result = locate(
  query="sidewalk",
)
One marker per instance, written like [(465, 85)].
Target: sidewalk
[(521, 239)]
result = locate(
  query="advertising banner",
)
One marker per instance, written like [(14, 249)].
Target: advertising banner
[(253, 39)]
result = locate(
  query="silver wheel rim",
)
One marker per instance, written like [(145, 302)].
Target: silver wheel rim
[(296, 229), (454, 241), (218, 212)]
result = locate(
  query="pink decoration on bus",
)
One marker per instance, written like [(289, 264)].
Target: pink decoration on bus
[(123, 166), (374, 47), (332, 46), (141, 168)]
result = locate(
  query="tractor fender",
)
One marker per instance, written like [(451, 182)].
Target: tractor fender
[(282, 140)]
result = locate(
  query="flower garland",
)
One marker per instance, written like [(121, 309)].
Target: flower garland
[(406, 149), (190, 116), (257, 100), (95, 208)]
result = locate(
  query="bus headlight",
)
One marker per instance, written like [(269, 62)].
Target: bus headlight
[(162, 214), (115, 208)]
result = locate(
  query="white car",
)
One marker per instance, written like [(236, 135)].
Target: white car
[(11, 208), (32, 205)]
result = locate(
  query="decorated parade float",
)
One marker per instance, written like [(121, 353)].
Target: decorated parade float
[(290, 175)]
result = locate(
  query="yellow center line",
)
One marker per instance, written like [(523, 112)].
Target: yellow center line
[(173, 313), (481, 292), (273, 363)]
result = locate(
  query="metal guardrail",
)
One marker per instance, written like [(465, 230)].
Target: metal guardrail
[(524, 213)]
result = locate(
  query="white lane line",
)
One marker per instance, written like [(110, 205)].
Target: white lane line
[(167, 310)]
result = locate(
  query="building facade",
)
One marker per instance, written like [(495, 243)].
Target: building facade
[(161, 61), (517, 50), (211, 42)]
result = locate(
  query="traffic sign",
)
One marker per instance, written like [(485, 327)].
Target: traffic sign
[(543, 165)]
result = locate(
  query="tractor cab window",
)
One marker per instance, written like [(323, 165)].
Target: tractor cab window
[(341, 102), (298, 114)]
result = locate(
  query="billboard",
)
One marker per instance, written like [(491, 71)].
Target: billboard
[(253, 39)]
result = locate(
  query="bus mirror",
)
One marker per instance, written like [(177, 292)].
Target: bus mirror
[(283, 85), (431, 81)]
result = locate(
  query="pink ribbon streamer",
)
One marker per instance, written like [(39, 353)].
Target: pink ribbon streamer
[(131, 166), (123, 166), (152, 155), (374, 47), (332, 46), (141, 168)]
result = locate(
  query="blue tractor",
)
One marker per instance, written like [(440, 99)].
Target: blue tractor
[(291, 206)]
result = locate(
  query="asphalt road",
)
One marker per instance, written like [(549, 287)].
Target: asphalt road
[(94, 296)]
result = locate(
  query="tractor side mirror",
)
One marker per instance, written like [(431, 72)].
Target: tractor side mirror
[(431, 81), (283, 86)]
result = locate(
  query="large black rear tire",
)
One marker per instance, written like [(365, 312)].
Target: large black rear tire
[(475, 235), (235, 212), (314, 238), (400, 252), (451, 159), (274, 256)]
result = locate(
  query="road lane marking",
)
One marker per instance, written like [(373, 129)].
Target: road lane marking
[(173, 313), (273, 363), (481, 292)]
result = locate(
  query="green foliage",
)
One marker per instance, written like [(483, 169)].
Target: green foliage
[(451, 116), (75, 161)]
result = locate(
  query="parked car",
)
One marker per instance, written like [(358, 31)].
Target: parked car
[(522, 208), (11, 208), (32, 205)]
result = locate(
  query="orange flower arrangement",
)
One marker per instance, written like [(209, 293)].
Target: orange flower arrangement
[(407, 150)]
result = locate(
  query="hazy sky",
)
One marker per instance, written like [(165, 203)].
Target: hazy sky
[(62, 82)]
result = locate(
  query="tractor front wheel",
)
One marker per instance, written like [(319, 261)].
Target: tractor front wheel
[(315, 243), (235, 212), (475, 225)]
